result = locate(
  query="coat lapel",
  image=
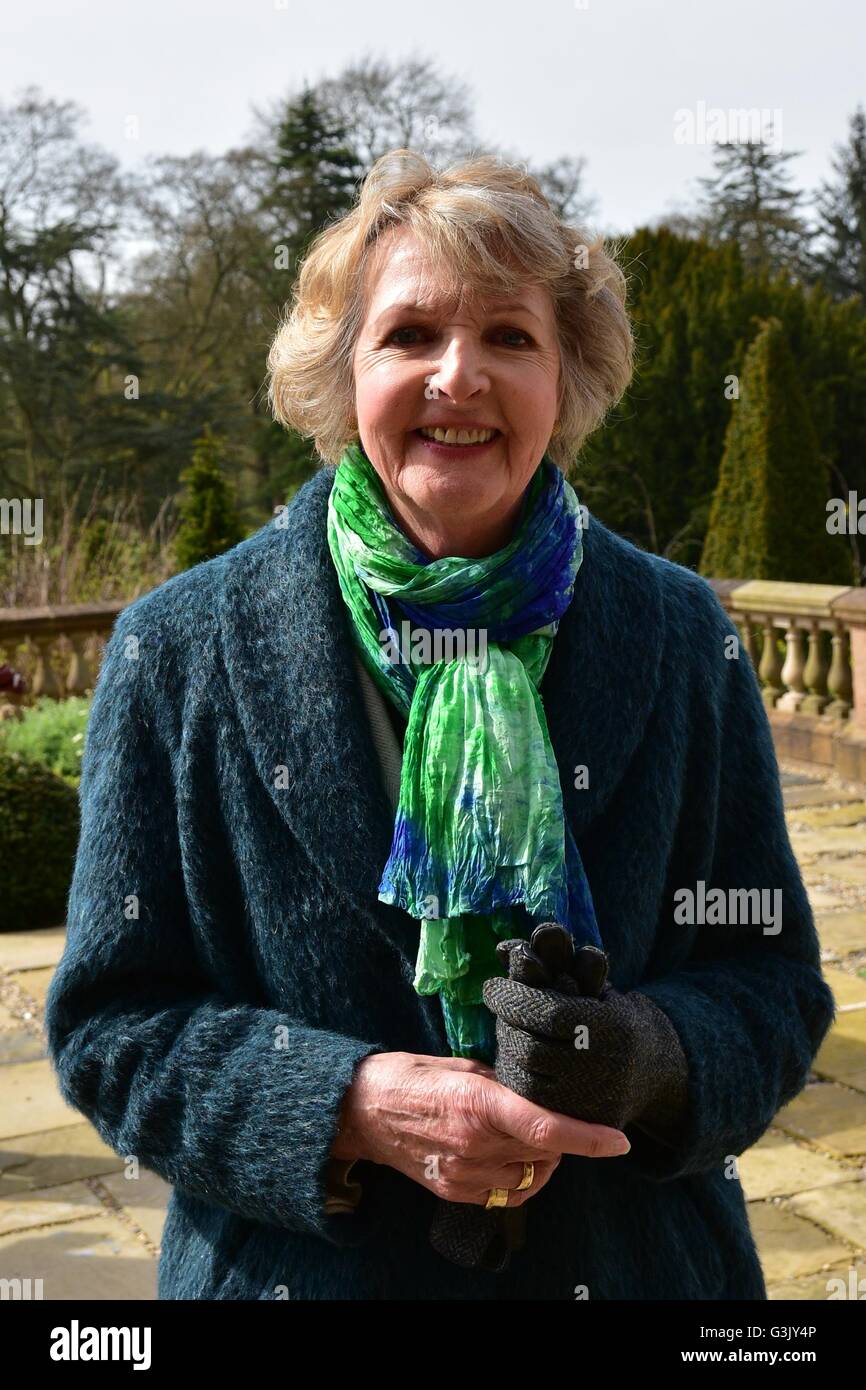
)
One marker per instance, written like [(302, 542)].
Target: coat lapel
[(602, 680), (289, 659), (291, 668)]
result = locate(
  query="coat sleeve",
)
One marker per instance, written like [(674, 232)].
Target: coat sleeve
[(230, 1102), (750, 1005)]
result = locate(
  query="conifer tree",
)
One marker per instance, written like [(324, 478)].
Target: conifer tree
[(768, 518), (841, 259), (209, 521), (749, 199), (315, 173)]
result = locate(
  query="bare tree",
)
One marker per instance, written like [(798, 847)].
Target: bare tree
[(62, 206), (407, 104)]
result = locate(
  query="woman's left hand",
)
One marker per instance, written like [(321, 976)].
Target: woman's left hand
[(610, 1060)]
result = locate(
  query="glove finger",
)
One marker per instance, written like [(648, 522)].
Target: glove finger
[(523, 964), (554, 946), (590, 969)]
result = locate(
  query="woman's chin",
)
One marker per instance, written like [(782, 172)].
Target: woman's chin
[(473, 486), (445, 500)]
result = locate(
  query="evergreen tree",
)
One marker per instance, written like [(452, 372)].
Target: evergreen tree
[(768, 518), (209, 522), (749, 200), (315, 173), (650, 472), (841, 259)]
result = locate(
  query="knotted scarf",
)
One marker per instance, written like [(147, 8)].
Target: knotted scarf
[(481, 851)]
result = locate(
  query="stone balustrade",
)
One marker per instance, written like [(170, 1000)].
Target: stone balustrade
[(806, 641), (56, 648), (808, 645)]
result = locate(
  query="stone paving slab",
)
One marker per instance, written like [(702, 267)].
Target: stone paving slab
[(848, 870), (810, 845), (817, 818), (30, 1099), (20, 1045), (849, 990), (47, 1206), (819, 1287), (816, 794), (778, 1166), (856, 1080), (842, 932), (843, 1051), (96, 1258), (790, 1245), (144, 1198), (822, 898), (54, 1156), (28, 950), (33, 982), (828, 1116), (839, 1210)]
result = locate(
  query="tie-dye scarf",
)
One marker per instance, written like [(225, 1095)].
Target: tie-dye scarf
[(481, 851)]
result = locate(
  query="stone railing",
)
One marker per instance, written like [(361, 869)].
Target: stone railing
[(808, 645), (807, 642), (57, 649)]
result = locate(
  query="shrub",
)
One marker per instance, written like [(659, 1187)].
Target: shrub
[(209, 522), (768, 518), (52, 733), (38, 838)]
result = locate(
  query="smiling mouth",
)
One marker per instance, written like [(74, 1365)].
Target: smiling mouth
[(458, 438)]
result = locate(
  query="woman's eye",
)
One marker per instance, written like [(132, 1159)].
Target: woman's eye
[(498, 332), (520, 334), (394, 336)]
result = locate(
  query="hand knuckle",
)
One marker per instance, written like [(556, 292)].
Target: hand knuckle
[(539, 1132)]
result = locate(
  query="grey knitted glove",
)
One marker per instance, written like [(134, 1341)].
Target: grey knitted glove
[(462, 1232), (614, 1059)]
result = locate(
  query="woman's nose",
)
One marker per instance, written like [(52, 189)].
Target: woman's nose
[(461, 371)]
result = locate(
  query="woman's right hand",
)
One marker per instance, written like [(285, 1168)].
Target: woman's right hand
[(448, 1124)]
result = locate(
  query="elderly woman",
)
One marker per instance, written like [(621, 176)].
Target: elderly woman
[(420, 933)]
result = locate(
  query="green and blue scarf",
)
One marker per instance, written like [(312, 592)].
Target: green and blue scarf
[(481, 851)]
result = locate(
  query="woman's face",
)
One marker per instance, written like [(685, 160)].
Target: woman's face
[(420, 362)]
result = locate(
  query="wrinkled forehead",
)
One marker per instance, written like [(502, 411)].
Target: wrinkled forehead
[(404, 268)]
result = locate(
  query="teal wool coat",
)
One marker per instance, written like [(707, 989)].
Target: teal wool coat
[(228, 963)]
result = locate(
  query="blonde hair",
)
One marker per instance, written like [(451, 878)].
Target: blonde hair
[(488, 228)]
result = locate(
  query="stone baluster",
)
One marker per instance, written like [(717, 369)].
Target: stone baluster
[(792, 671), (839, 680), (815, 674), (80, 677), (45, 681), (770, 669), (747, 633)]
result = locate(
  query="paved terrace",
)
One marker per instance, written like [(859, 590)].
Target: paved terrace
[(70, 1216)]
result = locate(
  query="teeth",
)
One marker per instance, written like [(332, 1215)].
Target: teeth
[(459, 436)]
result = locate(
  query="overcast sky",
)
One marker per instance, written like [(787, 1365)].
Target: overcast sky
[(551, 77)]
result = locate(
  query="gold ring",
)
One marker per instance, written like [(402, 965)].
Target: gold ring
[(527, 1179), (498, 1198)]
